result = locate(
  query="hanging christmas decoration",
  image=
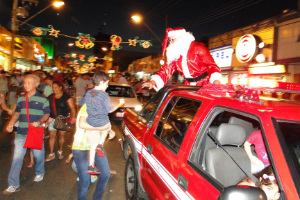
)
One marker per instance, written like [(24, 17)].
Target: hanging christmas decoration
[(116, 40), (145, 44), (84, 41), (38, 31), (81, 57), (52, 31), (92, 59), (132, 42), (106, 58)]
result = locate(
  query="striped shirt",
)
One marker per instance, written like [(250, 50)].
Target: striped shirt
[(98, 107), (38, 105)]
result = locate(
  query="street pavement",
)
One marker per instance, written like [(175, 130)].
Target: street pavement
[(60, 180)]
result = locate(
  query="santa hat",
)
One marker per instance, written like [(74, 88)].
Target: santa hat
[(171, 33)]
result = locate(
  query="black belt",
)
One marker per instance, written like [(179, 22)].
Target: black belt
[(198, 78)]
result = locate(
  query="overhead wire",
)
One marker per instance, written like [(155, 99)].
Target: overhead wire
[(2, 4), (217, 15)]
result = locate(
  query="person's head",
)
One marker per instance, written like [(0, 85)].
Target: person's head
[(31, 82), (49, 80), (268, 183), (57, 87), (100, 80), (85, 76), (178, 42)]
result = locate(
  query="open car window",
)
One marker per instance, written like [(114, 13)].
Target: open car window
[(231, 129)]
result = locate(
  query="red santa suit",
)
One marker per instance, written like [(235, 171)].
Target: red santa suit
[(197, 66)]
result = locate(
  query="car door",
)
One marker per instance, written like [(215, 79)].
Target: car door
[(164, 148)]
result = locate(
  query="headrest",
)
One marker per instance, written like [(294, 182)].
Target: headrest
[(231, 134)]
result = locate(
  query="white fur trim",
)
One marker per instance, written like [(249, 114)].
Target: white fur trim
[(176, 33), (159, 82), (215, 76)]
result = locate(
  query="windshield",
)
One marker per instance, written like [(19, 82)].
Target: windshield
[(120, 91), (290, 131)]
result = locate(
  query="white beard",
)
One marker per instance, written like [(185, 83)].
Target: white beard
[(179, 47)]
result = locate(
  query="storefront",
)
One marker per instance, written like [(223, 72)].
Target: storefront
[(288, 47)]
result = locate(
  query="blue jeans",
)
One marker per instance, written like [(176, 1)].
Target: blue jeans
[(16, 166), (81, 160)]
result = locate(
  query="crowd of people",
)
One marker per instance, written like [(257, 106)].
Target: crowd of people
[(35, 99)]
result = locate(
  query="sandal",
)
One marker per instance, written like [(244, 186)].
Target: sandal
[(50, 157), (60, 156), (30, 165), (111, 135)]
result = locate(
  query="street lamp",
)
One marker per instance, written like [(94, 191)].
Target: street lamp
[(138, 19), (15, 26), (56, 4)]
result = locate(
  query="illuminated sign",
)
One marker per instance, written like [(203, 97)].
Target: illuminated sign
[(246, 48), (274, 69), (222, 56), (35, 49)]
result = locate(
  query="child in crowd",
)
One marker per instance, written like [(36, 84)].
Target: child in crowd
[(262, 160), (267, 182), (97, 104)]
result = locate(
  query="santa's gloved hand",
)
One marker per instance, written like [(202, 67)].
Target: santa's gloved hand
[(149, 84)]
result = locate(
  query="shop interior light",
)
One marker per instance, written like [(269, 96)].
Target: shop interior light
[(274, 69), (111, 71), (260, 58), (261, 45), (262, 64)]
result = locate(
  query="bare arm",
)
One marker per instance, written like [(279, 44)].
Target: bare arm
[(42, 120), (84, 125), (122, 101), (12, 121), (71, 105), (253, 159), (3, 104)]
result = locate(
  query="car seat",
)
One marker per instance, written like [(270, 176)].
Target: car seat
[(243, 123), (219, 164)]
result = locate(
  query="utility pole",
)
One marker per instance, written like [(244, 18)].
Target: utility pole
[(14, 29), (13, 33)]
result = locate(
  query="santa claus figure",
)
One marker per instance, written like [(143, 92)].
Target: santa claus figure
[(190, 58)]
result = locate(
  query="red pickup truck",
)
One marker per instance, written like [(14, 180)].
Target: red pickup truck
[(187, 143)]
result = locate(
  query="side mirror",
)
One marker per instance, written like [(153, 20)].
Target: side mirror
[(242, 192)]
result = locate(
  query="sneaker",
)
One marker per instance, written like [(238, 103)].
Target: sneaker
[(38, 178), (93, 170), (50, 157), (100, 150), (60, 156), (10, 190), (94, 178)]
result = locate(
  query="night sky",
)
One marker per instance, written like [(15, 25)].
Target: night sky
[(204, 18)]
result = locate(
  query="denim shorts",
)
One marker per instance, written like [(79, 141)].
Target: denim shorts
[(50, 126)]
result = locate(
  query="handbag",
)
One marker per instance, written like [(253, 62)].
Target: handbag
[(34, 139), (61, 122)]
